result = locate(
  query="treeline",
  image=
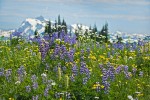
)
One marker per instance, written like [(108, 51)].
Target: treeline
[(92, 32)]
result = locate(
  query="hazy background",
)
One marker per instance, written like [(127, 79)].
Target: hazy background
[(132, 16)]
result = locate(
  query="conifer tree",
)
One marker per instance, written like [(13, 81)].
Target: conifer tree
[(106, 32), (64, 26), (95, 28), (49, 27), (56, 28), (36, 34), (59, 20), (59, 23), (46, 28)]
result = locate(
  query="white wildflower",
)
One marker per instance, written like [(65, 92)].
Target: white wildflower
[(130, 97), (17, 82)]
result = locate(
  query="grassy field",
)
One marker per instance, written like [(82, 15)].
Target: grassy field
[(69, 69)]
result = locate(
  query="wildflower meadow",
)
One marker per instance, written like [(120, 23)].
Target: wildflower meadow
[(64, 67)]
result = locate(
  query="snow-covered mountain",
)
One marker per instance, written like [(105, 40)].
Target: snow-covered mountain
[(4, 35), (127, 37), (30, 25)]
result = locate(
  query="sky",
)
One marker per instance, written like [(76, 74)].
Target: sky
[(131, 16)]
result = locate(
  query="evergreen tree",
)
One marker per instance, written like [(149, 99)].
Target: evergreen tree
[(64, 26), (95, 28), (119, 39), (49, 27), (46, 29), (36, 34), (59, 20), (90, 28), (56, 29), (59, 23), (106, 32)]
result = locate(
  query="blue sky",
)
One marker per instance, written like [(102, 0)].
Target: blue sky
[(132, 16)]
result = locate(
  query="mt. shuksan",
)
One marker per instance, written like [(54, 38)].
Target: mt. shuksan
[(29, 26)]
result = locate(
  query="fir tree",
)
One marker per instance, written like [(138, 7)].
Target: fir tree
[(36, 34), (59, 20), (49, 27), (106, 32), (46, 29), (64, 26), (95, 28), (56, 29), (59, 23)]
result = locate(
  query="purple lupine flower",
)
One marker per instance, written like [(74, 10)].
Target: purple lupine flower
[(127, 45), (126, 68), (47, 67), (105, 74), (64, 68), (21, 72), (106, 86), (127, 74), (108, 54), (68, 95), (71, 55), (72, 78), (73, 40), (8, 74), (118, 69), (141, 74), (104, 80), (101, 66), (57, 50), (28, 88), (55, 69), (134, 70), (85, 80), (66, 39), (35, 97), (82, 68), (46, 92), (1, 71), (44, 47), (33, 78), (35, 85), (111, 71), (63, 48), (82, 51), (140, 43), (57, 95), (134, 45), (74, 70), (120, 46)]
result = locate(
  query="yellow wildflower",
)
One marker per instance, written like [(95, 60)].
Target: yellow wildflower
[(141, 94), (11, 99), (102, 86)]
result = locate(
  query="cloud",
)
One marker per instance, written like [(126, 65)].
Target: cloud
[(12, 14), (111, 16), (132, 2)]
